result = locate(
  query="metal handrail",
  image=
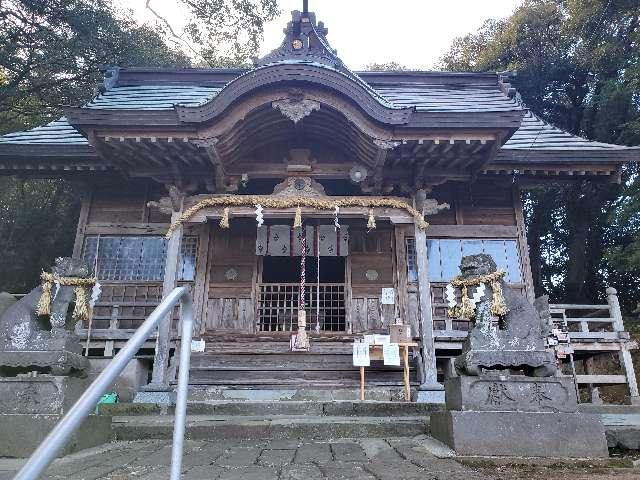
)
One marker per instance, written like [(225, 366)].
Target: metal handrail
[(58, 437)]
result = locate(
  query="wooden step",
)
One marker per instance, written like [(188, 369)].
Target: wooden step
[(280, 362), (275, 377)]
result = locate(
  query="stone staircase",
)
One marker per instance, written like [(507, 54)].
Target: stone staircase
[(256, 420)]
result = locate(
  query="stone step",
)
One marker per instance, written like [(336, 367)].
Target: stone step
[(254, 408), (267, 427), (326, 392), (609, 409)]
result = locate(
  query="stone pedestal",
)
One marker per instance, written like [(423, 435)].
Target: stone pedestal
[(430, 393), (30, 406), (156, 393), (42, 394), (521, 434), (511, 393), (511, 415)]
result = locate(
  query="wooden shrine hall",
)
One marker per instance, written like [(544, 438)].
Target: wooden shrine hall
[(237, 181)]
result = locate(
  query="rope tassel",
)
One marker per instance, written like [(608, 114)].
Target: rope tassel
[(44, 304), (224, 221), (498, 304), (467, 308), (371, 223), (297, 220), (81, 308)]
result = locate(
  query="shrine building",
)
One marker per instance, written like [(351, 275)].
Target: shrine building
[(220, 179)]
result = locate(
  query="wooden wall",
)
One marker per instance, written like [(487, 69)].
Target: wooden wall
[(232, 274), (482, 210), (371, 267)]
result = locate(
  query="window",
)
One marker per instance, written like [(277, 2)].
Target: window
[(445, 255), (137, 259)]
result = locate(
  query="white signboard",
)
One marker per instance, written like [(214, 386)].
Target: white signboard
[(391, 354), (388, 296), (369, 339), (197, 345), (361, 354), (381, 339)]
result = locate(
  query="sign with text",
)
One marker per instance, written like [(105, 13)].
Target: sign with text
[(361, 355), (388, 296), (391, 354)]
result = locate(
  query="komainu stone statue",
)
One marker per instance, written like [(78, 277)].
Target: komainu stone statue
[(30, 342), (512, 340), (506, 400)]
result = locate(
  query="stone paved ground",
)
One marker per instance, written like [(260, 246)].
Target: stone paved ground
[(361, 459)]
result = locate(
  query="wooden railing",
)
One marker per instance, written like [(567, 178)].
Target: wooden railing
[(594, 330), (122, 308)]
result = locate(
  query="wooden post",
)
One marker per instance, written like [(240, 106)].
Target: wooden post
[(594, 390), (430, 390), (113, 327), (523, 246), (624, 354), (200, 284), (401, 274), (405, 373), (83, 218), (160, 360)]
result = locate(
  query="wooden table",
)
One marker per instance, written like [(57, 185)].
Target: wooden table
[(375, 350)]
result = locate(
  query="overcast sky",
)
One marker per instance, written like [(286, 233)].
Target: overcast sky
[(413, 33)]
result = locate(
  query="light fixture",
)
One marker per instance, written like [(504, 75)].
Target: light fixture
[(357, 173)]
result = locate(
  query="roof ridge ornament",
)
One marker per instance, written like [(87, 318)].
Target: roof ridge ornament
[(305, 41)]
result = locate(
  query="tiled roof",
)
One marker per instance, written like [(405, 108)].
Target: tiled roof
[(153, 97), (536, 134), (440, 98), (426, 91), (58, 132)]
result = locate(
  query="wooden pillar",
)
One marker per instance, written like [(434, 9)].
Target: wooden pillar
[(430, 390), (594, 390), (85, 207), (624, 354), (523, 246), (200, 285), (401, 274), (160, 361)]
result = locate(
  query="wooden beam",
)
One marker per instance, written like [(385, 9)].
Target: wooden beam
[(601, 379), (472, 231)]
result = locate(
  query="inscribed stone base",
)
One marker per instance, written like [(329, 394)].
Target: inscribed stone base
[(161, 398), (22, 434), (526, 434), (429, 396), (511, 393), (41, 394)]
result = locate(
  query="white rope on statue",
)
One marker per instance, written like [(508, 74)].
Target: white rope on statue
[(318, 280)]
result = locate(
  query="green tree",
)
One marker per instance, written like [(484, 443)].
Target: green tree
[(219, 33), (51, 54), (578, 66)]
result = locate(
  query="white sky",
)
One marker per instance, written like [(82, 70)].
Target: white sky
[(413, 33)]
